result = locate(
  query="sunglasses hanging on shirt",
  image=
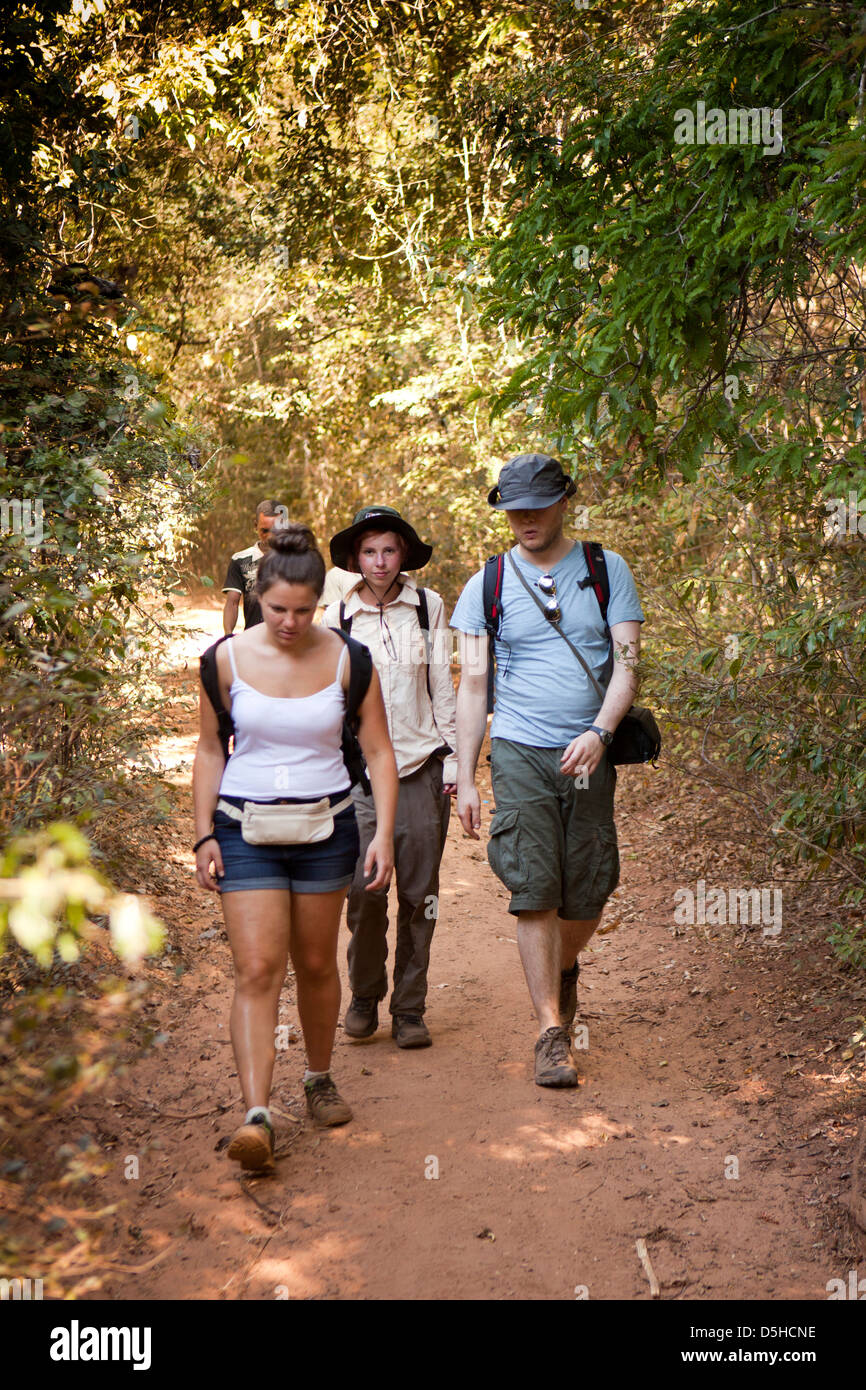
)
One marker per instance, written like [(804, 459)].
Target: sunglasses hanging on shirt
[(387, 636), (552, 610)]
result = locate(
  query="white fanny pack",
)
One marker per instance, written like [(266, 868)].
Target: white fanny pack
[(299, 823)]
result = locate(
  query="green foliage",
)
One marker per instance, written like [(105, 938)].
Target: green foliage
[(757, 657), (674, 299), (349, 227), (849, 943), (59, 1046), (95, 484), (688, 325), (49, 892), (95, 490), (340, 355)]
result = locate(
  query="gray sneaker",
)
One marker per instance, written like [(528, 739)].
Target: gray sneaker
[(553, 1061), (362, 1017), (568, 995), (410, 1030)]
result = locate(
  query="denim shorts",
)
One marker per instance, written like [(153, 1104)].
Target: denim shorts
[(317, 868)]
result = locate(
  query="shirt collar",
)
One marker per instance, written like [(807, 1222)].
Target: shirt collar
[(355, 604)]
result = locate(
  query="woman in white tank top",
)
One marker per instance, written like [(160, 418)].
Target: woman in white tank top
[(285, 683)]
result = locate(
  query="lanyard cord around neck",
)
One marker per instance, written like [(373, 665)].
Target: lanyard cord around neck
[(381, 601), (383, 622)]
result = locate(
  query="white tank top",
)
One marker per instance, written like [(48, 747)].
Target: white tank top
[(286, 746)]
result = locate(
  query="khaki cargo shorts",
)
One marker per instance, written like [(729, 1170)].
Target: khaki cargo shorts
[(552, 841)]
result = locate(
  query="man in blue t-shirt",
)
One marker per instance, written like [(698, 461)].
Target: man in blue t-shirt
[(552, 838)]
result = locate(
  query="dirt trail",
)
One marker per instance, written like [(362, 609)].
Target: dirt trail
[(700, 1062)]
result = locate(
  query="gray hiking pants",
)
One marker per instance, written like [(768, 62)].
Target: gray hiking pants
[(423, 813)]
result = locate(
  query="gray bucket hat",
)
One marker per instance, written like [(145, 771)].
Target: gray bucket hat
[(530, 482)]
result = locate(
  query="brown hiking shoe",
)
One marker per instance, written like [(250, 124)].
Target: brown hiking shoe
[(410, 1030), (362, 1018), (568, 995), (253, 1144), (324, 1102), (553, 1061)]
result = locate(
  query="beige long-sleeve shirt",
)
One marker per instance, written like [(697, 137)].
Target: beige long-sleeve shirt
[(419, 723)]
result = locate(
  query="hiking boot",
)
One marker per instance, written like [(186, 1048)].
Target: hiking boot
[(568, 995), (410, 1030), (553, 1061), (253, 1144), (324, 1102), (362, 1018)]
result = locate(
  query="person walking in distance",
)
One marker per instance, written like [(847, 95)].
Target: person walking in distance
[(243, 566), (552, 838), (406, 630), (276, 833)]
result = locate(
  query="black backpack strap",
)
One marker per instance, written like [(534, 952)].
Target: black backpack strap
[(345, 623), (423, 611), (494, 573), (424, 624), (360, 675), (211, 685)]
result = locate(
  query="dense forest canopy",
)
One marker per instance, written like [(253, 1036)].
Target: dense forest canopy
[(335, 253)]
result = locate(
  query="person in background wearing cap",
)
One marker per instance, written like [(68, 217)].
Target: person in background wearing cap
[(244, 566), (552, 838), (383, 611)]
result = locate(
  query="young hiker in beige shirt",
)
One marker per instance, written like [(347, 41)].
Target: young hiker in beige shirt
[(384, 610)]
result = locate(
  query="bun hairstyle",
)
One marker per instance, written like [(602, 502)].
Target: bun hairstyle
[(292, 558)]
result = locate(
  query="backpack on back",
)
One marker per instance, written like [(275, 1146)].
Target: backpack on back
[(360, 674)]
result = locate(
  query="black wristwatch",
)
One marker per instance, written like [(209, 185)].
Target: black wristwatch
[(604, 734)]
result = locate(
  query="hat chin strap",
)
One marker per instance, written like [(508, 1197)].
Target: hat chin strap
[(381, 601)]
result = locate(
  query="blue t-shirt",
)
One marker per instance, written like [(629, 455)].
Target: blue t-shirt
[(544, 697)]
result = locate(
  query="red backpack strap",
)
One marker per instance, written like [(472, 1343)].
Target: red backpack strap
[(596, 564), (494, 573)]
